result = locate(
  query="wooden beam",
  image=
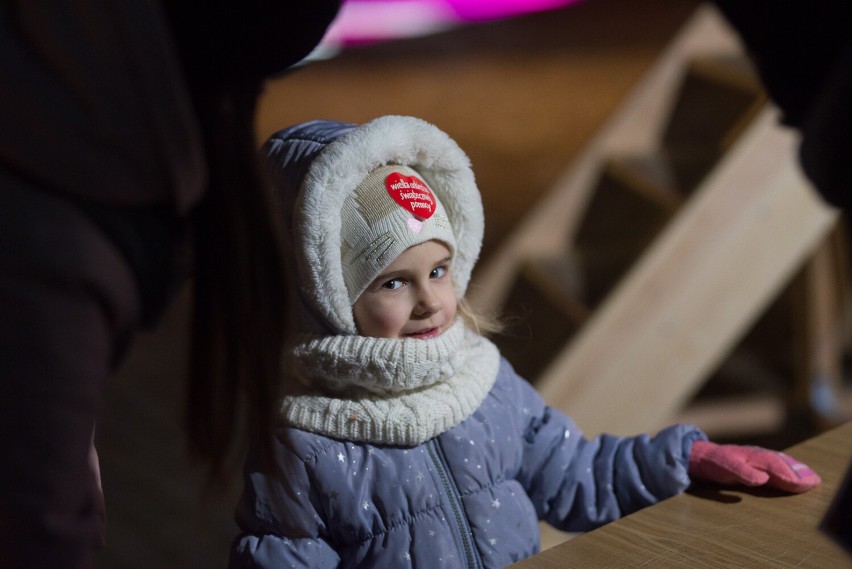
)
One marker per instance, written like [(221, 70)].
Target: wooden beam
[(635, 129), (695, 291)]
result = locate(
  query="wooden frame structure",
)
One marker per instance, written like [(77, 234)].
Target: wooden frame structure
[(743, 232)]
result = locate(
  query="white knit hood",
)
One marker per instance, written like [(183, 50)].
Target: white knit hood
[(315, 166), (334, 172)]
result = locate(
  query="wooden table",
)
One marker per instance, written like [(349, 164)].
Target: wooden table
[(722, 527)]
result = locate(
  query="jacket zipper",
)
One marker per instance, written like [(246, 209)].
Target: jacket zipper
[(455, 502)]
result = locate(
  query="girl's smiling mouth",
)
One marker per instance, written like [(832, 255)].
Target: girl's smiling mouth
[(425, 334)]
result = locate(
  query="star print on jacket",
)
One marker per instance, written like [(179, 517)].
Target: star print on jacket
[(470, 497)]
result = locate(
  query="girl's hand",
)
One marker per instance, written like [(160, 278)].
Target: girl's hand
[(750, 466)]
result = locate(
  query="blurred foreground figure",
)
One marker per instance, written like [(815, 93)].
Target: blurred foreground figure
[(803, 54), (126, 138)]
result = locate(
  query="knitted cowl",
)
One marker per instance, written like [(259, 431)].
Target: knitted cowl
[(341, 384)]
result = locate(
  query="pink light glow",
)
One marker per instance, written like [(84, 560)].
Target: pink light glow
[(368, 21), (475, 10)]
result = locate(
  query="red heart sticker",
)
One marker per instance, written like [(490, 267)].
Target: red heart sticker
[(412, 194)]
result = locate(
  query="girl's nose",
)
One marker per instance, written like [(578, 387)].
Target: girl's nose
[(427, 302)]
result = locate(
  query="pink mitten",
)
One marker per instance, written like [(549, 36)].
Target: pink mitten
[(751, 466)]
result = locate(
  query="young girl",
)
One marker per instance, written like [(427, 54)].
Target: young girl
[(405, 439)]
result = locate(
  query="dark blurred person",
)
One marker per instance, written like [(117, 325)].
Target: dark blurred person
[(803, 55), (127, 147)]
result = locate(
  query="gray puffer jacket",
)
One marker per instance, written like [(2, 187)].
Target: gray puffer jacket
[(470, 497)]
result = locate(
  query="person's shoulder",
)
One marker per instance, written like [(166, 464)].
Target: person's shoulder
[(307, 446), (508, 378), (511, 389)]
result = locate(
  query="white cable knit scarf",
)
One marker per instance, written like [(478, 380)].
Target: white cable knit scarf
[(388, 391)]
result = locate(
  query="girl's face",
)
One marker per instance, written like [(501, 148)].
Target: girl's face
[(412, 298)]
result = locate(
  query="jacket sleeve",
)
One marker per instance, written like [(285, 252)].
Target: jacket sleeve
[(281, 523), (578, 484)]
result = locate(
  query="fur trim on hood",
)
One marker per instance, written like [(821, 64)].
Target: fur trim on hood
[(316, 165)]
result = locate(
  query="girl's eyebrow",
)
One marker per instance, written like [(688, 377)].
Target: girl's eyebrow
[(388, 276), (444, 261)]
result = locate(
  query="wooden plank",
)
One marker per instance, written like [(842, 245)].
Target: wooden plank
[(635, 129), (627, 211), (694, 293), (544, 297), (718, 98)]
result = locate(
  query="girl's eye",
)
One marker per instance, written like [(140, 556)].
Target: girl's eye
[(438, 272), (393, 284)]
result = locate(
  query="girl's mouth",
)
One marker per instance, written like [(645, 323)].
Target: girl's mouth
[(425, 334)]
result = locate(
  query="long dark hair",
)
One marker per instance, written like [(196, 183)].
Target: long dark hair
[(227, 50), (239, 313)]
